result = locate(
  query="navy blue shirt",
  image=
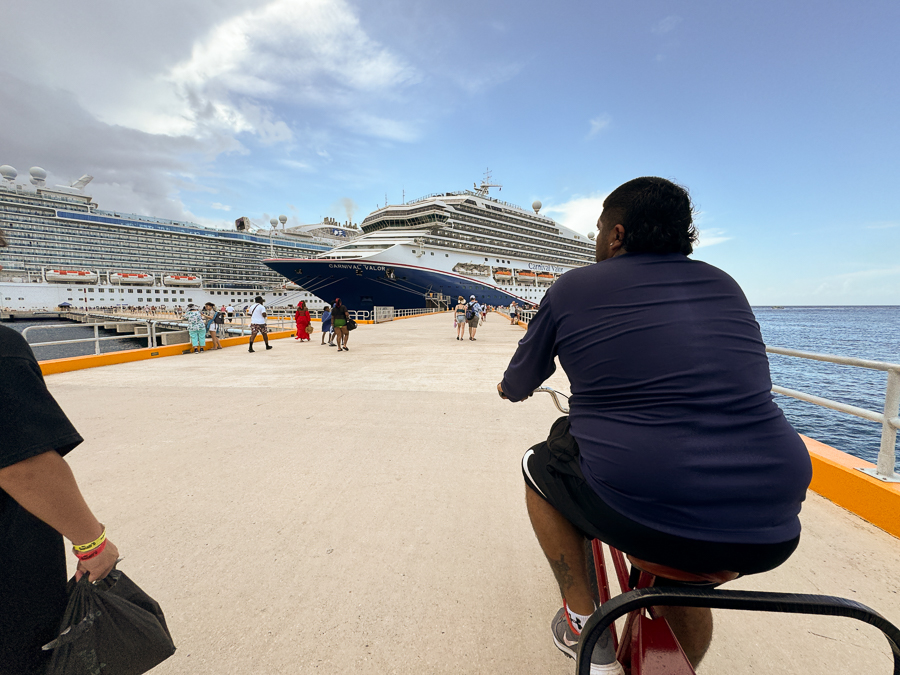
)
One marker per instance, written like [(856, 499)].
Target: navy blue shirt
[(671, 398)]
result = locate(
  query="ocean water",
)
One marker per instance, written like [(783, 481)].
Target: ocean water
[(864, 332)]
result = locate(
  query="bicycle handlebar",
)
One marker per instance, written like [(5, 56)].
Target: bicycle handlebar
[(554, 395)]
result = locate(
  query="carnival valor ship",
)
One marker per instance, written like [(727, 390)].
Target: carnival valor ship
[(64, 251), (428, 252)]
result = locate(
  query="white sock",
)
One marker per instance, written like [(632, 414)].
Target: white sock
[(577, 620)]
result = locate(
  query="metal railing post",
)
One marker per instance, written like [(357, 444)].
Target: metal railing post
[(887, 453), (96, 340)]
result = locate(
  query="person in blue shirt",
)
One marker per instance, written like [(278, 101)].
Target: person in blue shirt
[(674, 450)]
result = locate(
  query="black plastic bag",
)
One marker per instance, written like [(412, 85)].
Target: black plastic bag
[(109, 628)]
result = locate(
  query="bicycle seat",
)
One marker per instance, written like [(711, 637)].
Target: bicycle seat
[(680, 575)]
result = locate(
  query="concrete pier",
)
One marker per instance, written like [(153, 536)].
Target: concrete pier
[(304, 510)]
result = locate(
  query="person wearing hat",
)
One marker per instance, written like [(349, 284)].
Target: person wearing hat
[(196, 325), (473, 315)]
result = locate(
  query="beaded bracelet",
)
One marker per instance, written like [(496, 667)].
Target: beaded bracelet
[(85, 548), (91, 554)]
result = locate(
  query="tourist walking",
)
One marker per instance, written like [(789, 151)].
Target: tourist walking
[(513, 310), (40, 503), (460, 317), (209, 313), (219, 320), (473, 315), (196, 325), (339, 318), (258, 322), (326, 326), (230, 311), (302, 318)]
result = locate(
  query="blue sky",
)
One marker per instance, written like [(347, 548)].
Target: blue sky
[(779, 117)]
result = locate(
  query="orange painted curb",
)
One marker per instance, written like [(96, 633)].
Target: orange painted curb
[(53, 366), (836, 478)]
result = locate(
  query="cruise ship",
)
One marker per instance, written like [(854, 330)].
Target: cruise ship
[(427, 252), (64, 251)]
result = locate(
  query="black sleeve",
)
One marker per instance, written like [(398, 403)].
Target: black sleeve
[(31, 421)]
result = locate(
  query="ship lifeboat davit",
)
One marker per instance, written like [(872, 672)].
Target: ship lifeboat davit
[(72, 276), (182, 280), (502, 274), (525, 275), (545, 278), (131, 279)]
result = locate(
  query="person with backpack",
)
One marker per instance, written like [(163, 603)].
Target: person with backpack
[(473, 315)]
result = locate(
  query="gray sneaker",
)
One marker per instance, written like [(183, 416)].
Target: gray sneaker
[(567, 642)]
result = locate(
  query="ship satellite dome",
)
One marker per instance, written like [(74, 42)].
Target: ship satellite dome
[(8, 173), (536, 205), (591, 235), (273, 222), (37, 173), (282, 219)]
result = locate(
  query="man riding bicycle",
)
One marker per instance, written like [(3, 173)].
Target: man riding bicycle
[(674, 451)]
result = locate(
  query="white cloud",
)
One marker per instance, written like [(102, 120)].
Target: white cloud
[(288, 53), (579, 213), (598, 124), (220, 207), (666, 25), (710, 237)]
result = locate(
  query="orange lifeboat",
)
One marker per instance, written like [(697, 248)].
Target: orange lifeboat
[(131, 279), (545, 278), (525, 275), (502, 274), (72, 276), (182, 280)]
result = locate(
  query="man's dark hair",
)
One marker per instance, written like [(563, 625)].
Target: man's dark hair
[(657, 216), (258, 299)]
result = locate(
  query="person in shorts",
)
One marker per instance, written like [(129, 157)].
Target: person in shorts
[(258, 323), (674, 450), (473, 316)]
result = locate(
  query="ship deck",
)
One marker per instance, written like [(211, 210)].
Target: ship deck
[(301, 510)]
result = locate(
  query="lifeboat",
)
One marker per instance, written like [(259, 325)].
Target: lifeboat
[(129, 279), (182, 280), (525, 275), (291, 286), (502, 274), (546, 278), (72, 276)]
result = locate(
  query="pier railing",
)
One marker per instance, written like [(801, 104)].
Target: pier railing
[(150, 335), (889, 418)]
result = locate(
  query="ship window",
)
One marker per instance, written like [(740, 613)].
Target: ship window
[(182, 292), (90, 290), (68, 289), (141, 290), (131, 290), (432, 253)]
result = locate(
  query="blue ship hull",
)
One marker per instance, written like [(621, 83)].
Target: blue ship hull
[(363, 285)]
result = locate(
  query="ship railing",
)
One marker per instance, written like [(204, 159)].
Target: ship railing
[(150, 337)]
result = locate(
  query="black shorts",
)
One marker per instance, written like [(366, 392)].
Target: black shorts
[(552, 469)]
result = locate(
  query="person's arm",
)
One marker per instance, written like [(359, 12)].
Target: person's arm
[(44, 486), (533, 361)]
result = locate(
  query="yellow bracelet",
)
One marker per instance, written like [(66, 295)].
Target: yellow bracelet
[(84, 548)]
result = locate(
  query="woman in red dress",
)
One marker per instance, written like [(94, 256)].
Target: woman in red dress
[(302, 319)]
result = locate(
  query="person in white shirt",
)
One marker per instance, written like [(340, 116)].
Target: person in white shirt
[(258, 322)]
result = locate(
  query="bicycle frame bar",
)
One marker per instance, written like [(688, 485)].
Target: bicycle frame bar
[(757, 601)]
